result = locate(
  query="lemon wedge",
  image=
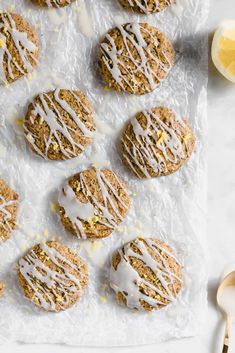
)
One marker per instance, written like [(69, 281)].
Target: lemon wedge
[(223, 49)]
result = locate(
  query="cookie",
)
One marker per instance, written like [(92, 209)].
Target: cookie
[(156, 142), (92, 203), (19, 47), (52, 276), (146, 6), (146, 275), (8, 210), (135, 58), (59, 124), (53, 3), (2, 286)]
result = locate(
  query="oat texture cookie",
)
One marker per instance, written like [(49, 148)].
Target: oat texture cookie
[(145, 274), (156, 142), (52, 3), (135, 58), (8, 210), (1, 288), (92, 203), (19, 47), (59, 124), (52, 276), (146, 6)]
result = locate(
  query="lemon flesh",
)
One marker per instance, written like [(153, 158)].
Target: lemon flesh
[(223, 50)]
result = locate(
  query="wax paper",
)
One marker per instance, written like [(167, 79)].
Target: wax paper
[(171, 208)]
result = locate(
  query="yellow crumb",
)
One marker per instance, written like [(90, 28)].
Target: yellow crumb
[(186, 138), (105, 286), (161, 136), (54, 207), (103, 299), (55, 146), (96, 245), (10, 8), (31, 75), (19, 121), (106, 88), (88, 193), (58, 299), (46, 233), (37, 236), (2, 43), (92, 221), (94, 165), (24, 247)]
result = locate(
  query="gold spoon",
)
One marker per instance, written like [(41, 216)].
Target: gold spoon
[(226, 301)]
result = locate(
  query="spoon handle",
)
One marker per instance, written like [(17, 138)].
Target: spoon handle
[(227, 335)]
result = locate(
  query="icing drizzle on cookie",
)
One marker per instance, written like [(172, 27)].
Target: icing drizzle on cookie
[(107, 212), (57, 3), (6, 215), (115, 58), (57, 125), (126, 280), (144, 6), (50, 286), (25, 47), (156, 145)]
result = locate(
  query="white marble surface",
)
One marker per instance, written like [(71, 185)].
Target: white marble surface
[(221, 213)]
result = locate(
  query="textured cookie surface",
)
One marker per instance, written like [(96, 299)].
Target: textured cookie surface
[(145, 274), (1, 288), (52, 276), (146, 6), (156, 143), (59, 124), (8, 210), (53, 3), (19, 47), (135, 58), (92, 203)]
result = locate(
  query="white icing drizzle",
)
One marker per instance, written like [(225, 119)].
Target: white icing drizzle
[(158, 144), (126, 280), (57, 3), (46, 283), (144, 6), (74, 209), (26, 48), (57, 125), (5, 213), (107, 212), (113, 57)]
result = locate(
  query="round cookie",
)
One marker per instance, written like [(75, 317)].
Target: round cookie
[(53, 3), (156, 142), (135, 58), (145, 275), (2, 286), (92, 203), (59, 124), (8, 210), (146, 6), (19, 47), (52, 276)]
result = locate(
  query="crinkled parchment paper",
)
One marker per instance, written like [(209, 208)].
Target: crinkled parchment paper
[(171, 208)]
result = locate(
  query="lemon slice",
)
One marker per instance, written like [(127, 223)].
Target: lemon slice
[(223, 49)]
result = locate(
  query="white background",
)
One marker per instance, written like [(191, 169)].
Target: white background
[(221, 213)]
